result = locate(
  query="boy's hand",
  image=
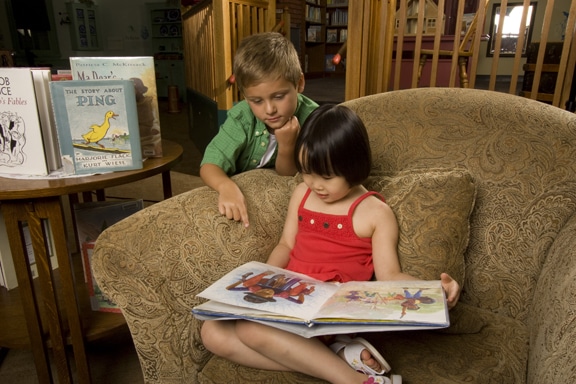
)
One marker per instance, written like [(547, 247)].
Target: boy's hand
[(452, 289), (287, 134), (286, 137), (231, 201), (231, 204)]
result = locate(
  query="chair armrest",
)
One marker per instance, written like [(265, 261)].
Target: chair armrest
[(552, 321), (153, 263)]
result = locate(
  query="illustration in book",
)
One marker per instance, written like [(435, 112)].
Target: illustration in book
[(97, 125), (91, 218), (303, 305), (139, 69), (21, 144)]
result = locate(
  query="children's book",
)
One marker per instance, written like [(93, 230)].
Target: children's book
[(300, 304), (42, 78), (330, 66), (97, 125), (21, 144), (91, 219), (139, 69)]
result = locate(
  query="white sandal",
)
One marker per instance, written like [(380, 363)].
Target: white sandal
[(352, 354), (394, 379)]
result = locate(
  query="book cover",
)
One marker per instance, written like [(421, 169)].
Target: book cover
[(21, 144), (91, 219), (97, 125), (331, 35), (300, 304), (139, 69), (330, 66)]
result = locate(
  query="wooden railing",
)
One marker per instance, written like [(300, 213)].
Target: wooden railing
[(212, 30), (374, 47)]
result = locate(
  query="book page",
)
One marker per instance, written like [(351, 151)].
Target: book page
[(264, 287), (415, 301)]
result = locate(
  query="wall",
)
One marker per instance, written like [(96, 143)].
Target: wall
[(123, 28), (5, 42), (555, 34)]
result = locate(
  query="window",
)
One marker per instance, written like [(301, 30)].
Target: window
[(32, 29), (512, 27)]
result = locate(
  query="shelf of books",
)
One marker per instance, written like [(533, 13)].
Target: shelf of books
[(336, 34), (315, 35), (326, 32), (85, 125)]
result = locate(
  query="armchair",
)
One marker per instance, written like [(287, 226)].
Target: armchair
[(516, 248)]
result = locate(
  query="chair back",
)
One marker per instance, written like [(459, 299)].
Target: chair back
[(467, 43)]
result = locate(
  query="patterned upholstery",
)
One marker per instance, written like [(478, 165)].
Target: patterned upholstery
[(515, 321)]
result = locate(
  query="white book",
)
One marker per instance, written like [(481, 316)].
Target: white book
[(49, 134), (21, 142)]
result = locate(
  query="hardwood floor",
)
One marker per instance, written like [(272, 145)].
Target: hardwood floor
[(111, 362)]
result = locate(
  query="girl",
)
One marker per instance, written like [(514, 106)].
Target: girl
[(335, 230)]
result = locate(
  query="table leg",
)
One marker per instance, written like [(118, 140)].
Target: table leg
[(166, 185), (41, 306)]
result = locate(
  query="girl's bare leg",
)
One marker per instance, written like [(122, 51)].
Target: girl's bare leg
[(220, 338), (259, 346), (296, 353)]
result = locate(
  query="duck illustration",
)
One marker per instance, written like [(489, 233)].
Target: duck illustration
[(97, 132)]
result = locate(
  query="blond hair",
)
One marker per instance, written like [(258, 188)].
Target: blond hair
[(264, 57)]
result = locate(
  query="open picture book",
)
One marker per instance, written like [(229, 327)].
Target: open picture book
[(300, 304)]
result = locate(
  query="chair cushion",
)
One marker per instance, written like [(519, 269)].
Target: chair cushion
[(433, 208)]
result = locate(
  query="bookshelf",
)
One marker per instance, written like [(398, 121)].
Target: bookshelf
[(167, 47), (326, 29), (166, 28)]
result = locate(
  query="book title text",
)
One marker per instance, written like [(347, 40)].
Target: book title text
[(91, 97)]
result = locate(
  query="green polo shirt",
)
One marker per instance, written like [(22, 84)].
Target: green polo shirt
[(242, 140)]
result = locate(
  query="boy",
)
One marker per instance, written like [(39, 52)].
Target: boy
[(261, 130)]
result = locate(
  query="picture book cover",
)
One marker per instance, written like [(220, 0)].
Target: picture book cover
[(97, 125), (91, 218), (300, 304), (21, 143), (139, 69)]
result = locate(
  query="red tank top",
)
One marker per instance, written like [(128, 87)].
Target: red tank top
[(328, 249)]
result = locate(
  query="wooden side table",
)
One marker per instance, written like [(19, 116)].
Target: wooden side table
[(53, 312)]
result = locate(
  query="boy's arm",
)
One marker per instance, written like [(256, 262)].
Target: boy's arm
[(286, 138), (231, 202)]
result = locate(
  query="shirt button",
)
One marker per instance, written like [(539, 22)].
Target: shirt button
[(262, 144), (257, 133), (339, 226), (312, 221), (254, 161)]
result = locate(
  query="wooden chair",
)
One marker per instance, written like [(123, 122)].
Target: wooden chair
[(465, 51)]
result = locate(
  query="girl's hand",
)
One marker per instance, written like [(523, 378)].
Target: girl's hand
[(452, 289)]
